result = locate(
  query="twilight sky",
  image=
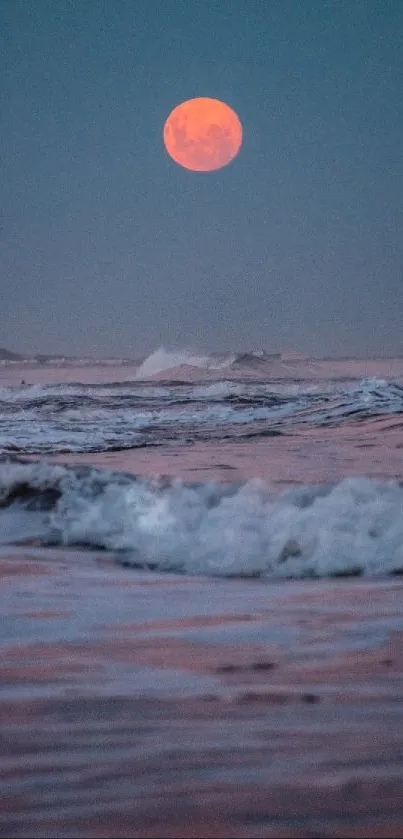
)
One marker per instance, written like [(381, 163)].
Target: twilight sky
[(108, 247)]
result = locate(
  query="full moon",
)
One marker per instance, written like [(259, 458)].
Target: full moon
[(203, 134)]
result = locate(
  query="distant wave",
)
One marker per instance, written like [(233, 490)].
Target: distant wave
[(70, 361), (239, 530), (162, 360), (66, 361), (254, 359), (74, 418)]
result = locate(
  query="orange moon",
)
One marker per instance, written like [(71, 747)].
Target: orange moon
[(203, 134)]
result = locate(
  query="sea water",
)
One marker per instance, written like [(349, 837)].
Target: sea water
[(245, 465)]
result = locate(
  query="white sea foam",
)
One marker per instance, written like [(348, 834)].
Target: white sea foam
[(219, 390), (355, 526), (162, 360)]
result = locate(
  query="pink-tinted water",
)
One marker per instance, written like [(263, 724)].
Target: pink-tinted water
[(373, 448), (143, 705)]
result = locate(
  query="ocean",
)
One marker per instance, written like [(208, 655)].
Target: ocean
[(245, 465), (201, 619)]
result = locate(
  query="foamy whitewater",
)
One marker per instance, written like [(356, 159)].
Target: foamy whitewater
[(181, 403)]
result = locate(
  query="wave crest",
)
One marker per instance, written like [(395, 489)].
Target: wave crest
[(162, 360), (352, 527)]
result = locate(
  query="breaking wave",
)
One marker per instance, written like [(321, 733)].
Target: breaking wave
[(249, 363), (240, 530), (162, 360)]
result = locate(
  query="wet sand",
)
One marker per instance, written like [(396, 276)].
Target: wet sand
[(135, 704)]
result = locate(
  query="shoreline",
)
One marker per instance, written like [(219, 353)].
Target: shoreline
[(137, 704), (141, 704)]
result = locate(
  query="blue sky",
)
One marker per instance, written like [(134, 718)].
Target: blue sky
[(108, 247)]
